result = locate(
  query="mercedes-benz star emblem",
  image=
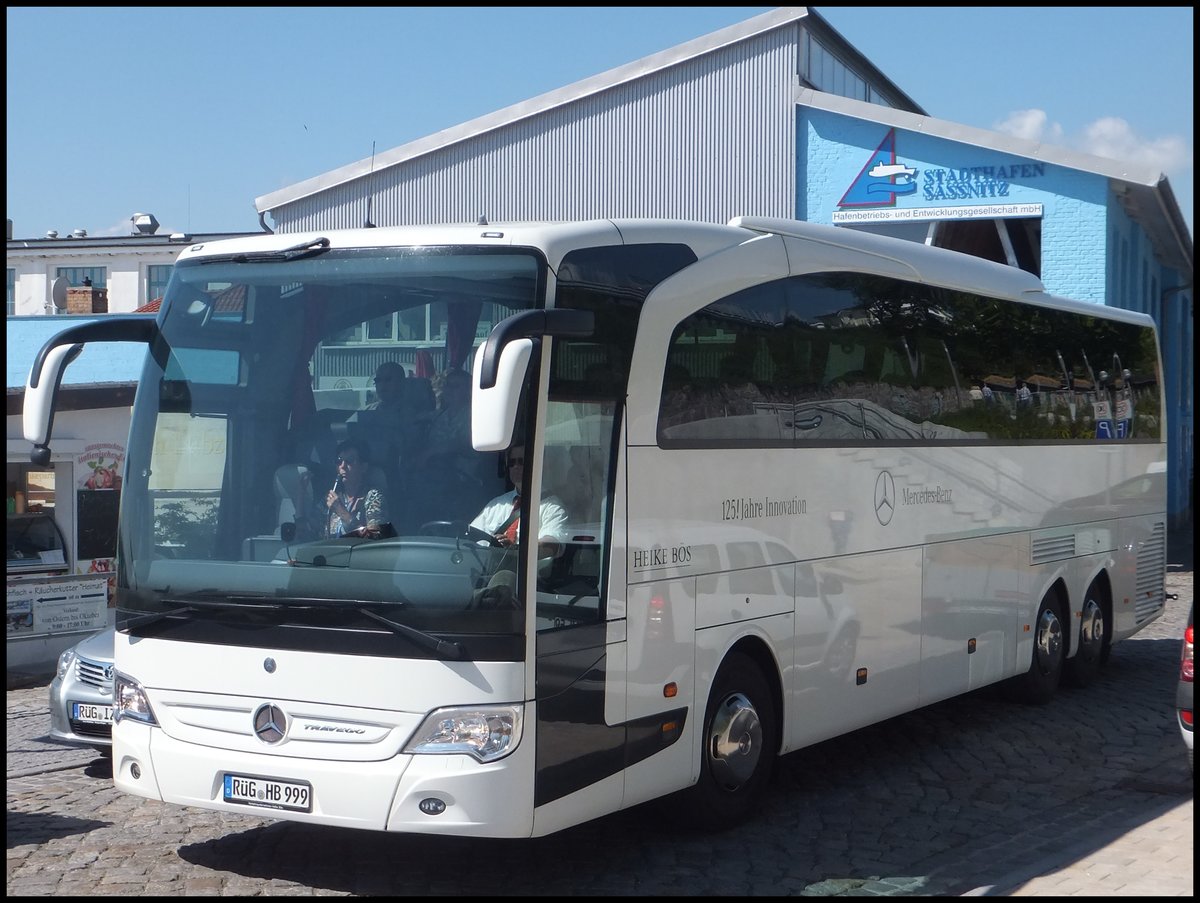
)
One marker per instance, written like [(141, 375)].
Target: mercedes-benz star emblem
[(885, 497), (270, 723)]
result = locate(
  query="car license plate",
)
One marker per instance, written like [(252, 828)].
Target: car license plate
[(91, 714), (268, 793)]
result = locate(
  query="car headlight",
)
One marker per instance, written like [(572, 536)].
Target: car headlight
[(129, 700), (486, 733), (65, 660)]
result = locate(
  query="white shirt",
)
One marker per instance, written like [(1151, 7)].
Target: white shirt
[(552, 516)]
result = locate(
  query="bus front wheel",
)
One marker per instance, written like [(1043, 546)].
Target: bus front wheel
[(740, 739)]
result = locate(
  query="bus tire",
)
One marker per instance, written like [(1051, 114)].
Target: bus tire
[(1037, 685), (739, 744), (1094, 636)]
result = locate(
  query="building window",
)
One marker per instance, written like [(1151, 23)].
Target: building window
[(824, 70), (97, 277), (77, 275), (11, 298), (876, 97), (157, 278), (30, 489)]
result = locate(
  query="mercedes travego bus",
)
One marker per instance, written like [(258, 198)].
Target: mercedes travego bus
[(802, 480)]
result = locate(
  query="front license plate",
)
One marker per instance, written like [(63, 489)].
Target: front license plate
[(268, 793), (92, 714)]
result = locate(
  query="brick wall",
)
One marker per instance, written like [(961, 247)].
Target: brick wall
[(87, 299)]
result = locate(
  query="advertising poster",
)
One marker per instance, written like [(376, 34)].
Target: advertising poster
[(99, 466), (57, 605)]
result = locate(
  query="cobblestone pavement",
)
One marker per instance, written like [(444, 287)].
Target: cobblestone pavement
[(1090, 795)]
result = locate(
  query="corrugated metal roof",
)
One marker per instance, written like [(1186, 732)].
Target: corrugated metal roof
[(704, 141), (101, 363), (588, 87)]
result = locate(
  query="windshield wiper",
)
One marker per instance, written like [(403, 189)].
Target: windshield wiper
[(445, 649), (286, 255), (190, 605), (151, 618)]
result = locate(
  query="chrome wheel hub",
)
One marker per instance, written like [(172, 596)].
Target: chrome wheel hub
[(735, 742), (1049, 641), (1091, 629)]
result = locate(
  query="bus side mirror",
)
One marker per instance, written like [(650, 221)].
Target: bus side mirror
[(502, 362), (494, 409), (37, 410), (41, 386)]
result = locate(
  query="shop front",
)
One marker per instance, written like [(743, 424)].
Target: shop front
[(61, 538)]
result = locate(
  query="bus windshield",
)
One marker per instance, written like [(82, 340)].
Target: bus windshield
[(306, 423)]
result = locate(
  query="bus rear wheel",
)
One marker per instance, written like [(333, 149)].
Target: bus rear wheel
[(1037, 685), (740, 739), (1093, 638)]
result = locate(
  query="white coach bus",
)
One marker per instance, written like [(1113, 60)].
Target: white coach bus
[(801, 479)]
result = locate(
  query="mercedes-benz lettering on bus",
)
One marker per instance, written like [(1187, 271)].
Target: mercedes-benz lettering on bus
[(491, 530)]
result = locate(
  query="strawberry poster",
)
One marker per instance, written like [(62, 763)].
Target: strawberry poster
[(99, 466)]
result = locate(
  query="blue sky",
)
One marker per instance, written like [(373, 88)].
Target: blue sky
[(191, 113)]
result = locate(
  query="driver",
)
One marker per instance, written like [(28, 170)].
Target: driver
[(501, 517)]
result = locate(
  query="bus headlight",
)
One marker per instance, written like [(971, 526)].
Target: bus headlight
[(129, 700), (487, 733)]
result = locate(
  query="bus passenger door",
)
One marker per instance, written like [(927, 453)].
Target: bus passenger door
[(580, 733)]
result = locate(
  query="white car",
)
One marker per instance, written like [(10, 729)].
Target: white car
[(81, 694)]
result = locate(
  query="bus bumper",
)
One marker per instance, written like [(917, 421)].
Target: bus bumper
[(427, 794)]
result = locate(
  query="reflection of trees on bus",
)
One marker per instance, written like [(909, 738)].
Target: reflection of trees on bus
[(906, 355)]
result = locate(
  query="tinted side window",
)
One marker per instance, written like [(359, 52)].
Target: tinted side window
[(844, 358), (613, 282)]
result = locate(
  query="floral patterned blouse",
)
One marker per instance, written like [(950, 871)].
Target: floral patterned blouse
[(365, 511)]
